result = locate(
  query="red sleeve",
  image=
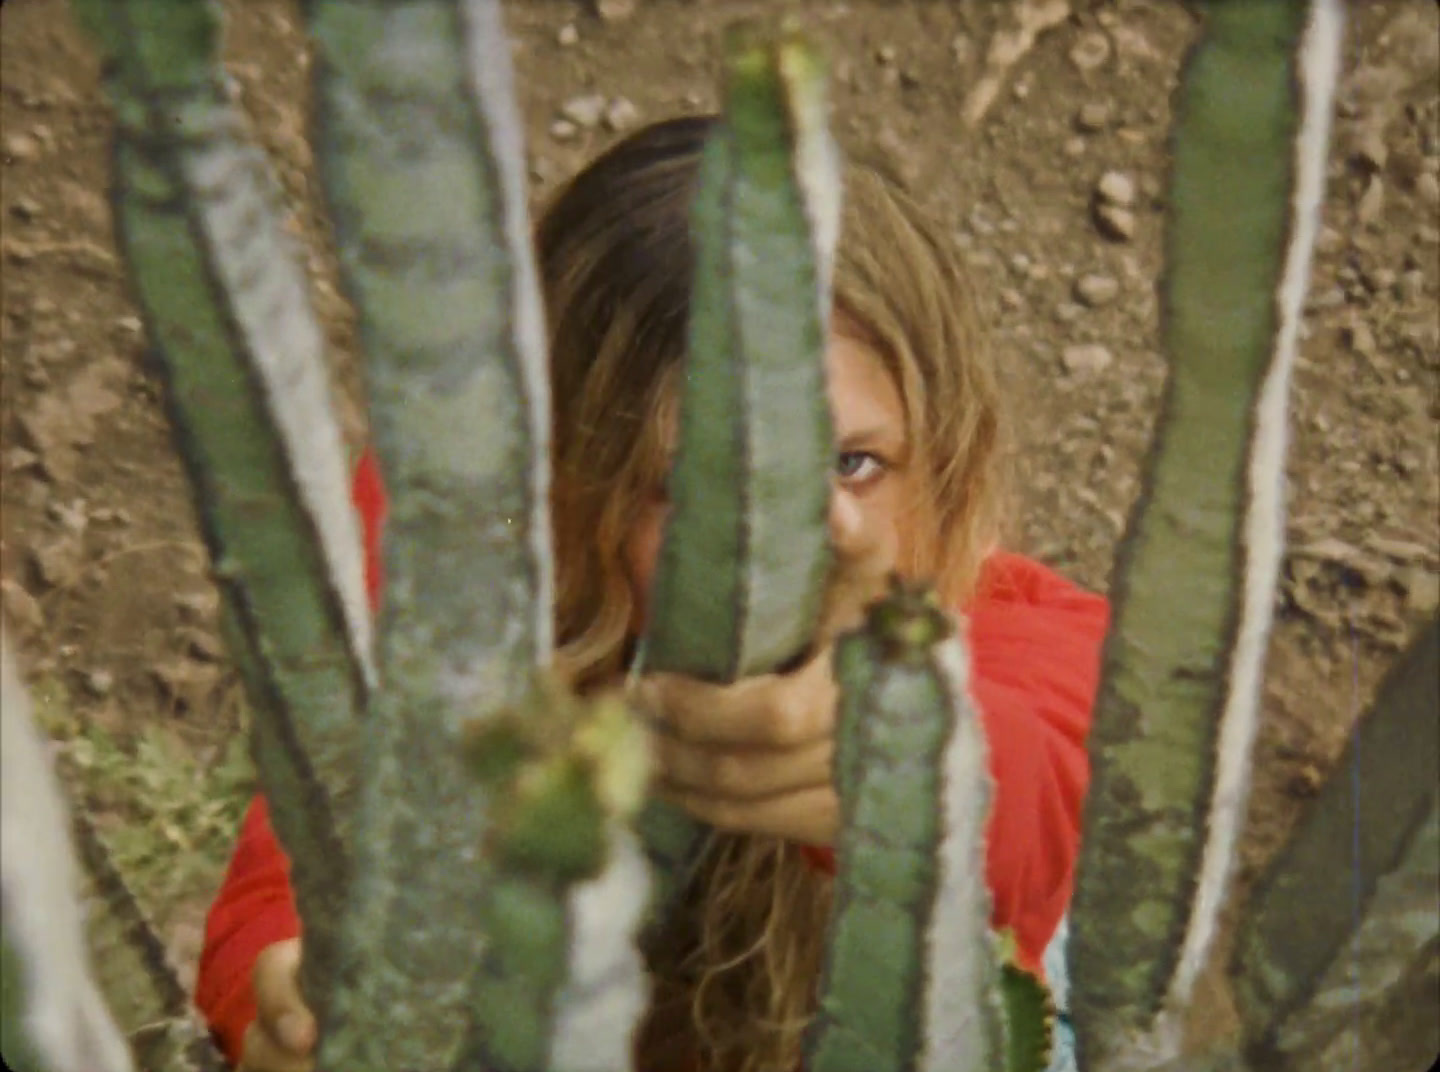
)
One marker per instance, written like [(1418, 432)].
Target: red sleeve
[(254, 909), (1035, 643), (255, 906)]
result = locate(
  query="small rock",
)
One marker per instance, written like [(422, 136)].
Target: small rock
[(18, 460), (615, 10), (563, 130), (197, 607), (1116, 188), (1358, 338), (1086, 358), (885, 55), (1074, 146), (57, 563), (131, 325), (25, 210), (72, 518), (1068, 312), (1096, 290), (567, 35), (1010, 299), (1093, 116), (584, 111), (202, 644), (1378, 280), (621, 115), (21, 608), (1115, 223), (1427, 188), (1422, 590), (186, 683), (963, 49), (1090, 51), (1411, 285), (99, 683), (21, 148), (1372, 202)]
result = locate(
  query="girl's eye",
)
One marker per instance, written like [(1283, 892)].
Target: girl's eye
[(858, 466)]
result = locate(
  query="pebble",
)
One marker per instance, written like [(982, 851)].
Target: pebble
[(23, 609), (21, 148), (72, 518), (1093, 116), (1090, 51), (1116, 188), (1372, 202), (1411, 285), (1085, 358), (1067, 312), (1096, 290), (18, 459), (57, 564), (99, 683), (963, 49), (615, 10), (1115, 222), (584, 111), (563, 130), (1358, 338), (1427, 188), (567, 35), (27, 211), (621, 114), (197, 606), (1074, 146)]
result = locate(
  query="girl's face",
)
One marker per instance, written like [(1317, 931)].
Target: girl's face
[(873, 507)]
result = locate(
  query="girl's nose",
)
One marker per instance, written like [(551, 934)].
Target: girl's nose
[(847, 525)]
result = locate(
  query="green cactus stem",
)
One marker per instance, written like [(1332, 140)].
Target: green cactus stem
[(911, 978), (420, 152), (1339, 950), (557, 984), (52, 1015), (224, 294), (743, 564), (1176, 718)]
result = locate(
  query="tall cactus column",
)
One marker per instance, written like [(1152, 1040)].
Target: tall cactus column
[(240, 351), (742, 569), (1196, 573), (420, 151)]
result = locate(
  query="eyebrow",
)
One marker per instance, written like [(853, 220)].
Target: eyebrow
[(874, 436)]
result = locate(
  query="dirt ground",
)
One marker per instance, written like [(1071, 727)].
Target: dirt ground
[(102, 567)]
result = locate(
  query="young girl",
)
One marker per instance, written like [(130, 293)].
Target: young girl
[(917, 488)]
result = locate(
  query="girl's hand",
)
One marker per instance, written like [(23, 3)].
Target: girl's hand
[(282, 1038), (754, 756)]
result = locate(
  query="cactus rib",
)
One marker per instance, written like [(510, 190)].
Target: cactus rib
[(420, 154), (910, 977), (249, 402), (1204, 540)]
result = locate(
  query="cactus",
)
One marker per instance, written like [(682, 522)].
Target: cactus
[(471, 869), (52, 1015), (750, 486)]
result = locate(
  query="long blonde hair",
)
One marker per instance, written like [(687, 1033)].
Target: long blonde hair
[(735, 980)]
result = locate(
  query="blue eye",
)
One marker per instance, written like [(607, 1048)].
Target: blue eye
[(857, 466)]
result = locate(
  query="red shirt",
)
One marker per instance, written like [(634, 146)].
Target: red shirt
[(1034, 647)]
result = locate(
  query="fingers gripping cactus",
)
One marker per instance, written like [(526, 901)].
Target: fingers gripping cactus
[(468, 882)]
